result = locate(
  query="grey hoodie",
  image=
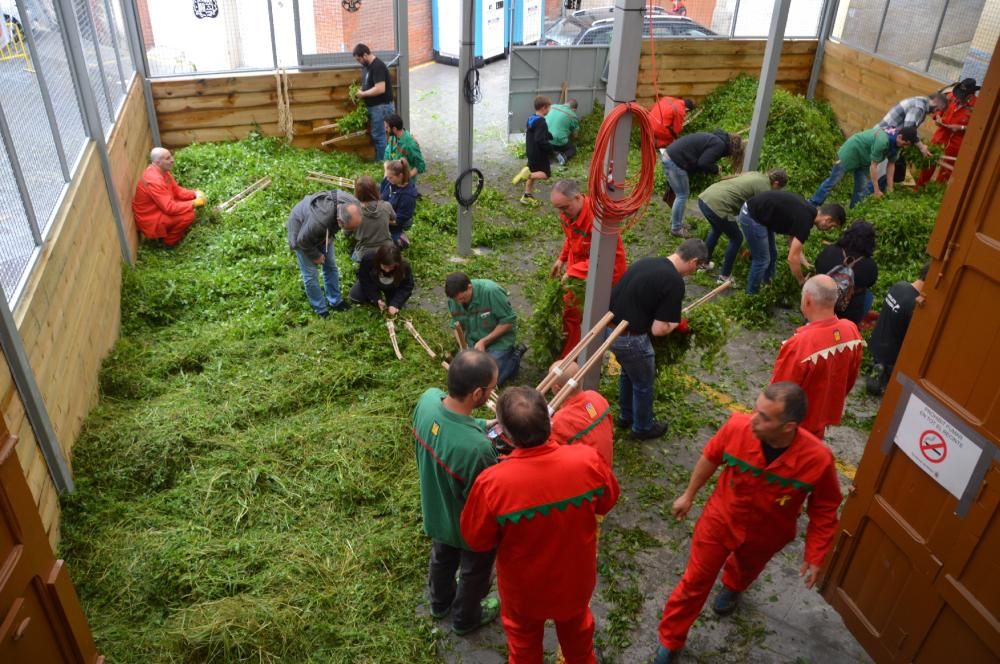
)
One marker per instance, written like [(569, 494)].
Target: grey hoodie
[(314, 219)]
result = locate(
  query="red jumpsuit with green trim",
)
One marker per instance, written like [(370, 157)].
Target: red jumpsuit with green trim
[(576, 255), (958, 112), (539, 509), (751, 515), (583, 419)]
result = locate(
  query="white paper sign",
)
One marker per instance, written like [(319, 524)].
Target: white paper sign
[(940, 449)]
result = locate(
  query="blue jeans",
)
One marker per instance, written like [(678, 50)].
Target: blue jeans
[(763, 251), (862, 186), (677, 179), (637, 379), (507, 363), (376, 117), (722, 227), (331, 280)]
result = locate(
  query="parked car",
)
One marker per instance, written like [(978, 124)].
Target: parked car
[(604, 12), (591, 30)]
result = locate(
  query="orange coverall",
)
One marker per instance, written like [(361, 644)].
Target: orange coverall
[(162, 208), (957, 113)]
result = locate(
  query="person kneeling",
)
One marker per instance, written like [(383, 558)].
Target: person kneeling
[(384, 278)]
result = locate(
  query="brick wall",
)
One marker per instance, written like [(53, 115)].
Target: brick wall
[(338, 30), (420, 32), (147, 25)]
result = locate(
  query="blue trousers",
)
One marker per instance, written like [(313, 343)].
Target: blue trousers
[(677, 179), (637, 379), (763, 251), (331, 280), (722, 227)]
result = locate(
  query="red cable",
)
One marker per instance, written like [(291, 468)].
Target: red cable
[(618, 214)]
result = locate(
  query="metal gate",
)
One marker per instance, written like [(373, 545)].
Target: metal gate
[(543, 70)]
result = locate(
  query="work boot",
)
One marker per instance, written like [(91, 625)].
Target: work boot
[(681, 232), (726, 601), (490, 611), (655, 431), (529, 200), (664, 656)]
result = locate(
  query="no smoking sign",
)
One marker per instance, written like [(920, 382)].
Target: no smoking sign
[(933, 447)]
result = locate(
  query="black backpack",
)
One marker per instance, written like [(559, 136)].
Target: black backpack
[(843, 276)]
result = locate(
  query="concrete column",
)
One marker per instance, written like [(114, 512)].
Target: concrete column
[(465, 64)]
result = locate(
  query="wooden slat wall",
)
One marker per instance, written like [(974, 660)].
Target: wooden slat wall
[(227, 108), (69, 313), (861, 87), (692, 68)]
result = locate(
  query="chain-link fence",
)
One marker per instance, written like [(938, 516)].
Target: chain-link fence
[(44, 131)]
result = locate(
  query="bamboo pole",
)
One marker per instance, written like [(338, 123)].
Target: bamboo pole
[(691, 116), (573, 354), (567, 389), (335, 180), (392, 337), (420, 340), (460, 337), (708, 296), (338, 139), (228, 205)]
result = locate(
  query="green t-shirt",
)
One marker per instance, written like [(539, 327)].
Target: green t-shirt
[(451, 450), (562, 122), (864, 147), (726, 197), (488, 308), (405, 146)]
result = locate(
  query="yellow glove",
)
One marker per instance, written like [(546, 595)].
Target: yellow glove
[(198, 202), (198, 193)]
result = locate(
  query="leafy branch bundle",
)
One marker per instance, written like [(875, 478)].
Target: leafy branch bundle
[(356, 120), (546, 324), (916, 160), (709, 330)]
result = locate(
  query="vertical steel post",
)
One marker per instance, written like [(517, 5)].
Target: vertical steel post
[(133, 29), (297, 17), (31, 397), (937, 34), (881, 26), (623, 75), (100, 63), (403, 64), (38, 63), (270, 24), (63, 29), (825, 28), (22, 186), (64, 9), (736, 16), (465, 65), (765, 90), (114, 44)]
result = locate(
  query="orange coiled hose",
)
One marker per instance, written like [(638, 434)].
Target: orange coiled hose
[(618, 214)]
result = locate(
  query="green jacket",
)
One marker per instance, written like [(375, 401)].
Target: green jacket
[(562, 122), (451, 451), (489, 307), (726, 197), (405, 146), (864, 147)]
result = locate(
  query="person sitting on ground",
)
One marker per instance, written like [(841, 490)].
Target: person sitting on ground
[(402, 145), (563, 123), (372, 231), (861, 154), (721, 204), (401, 193), (822, 357), (384, 279), (695, 153), (787, 213), (538, 145), (890, 329), (952, 123), (481, 310), (312, 227), (667, 117), (539, 510), (584, 418), (163, 209), (853, 249)]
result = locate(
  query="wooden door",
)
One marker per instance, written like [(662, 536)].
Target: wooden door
[(914, 572)]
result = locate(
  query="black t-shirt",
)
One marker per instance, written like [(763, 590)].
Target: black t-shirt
[(651, 289), (372, 74), (893, 321), (783, 212), (865, 276), (771, 453)]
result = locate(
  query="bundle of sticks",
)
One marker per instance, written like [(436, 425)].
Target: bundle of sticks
[(335, 180), (491, 403), (228, 205)]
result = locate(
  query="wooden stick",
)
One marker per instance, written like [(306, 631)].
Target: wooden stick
[(326, 127), (708, 296), (950, 167), (355, 134), (564, 92), (226, 206), (460, 337), (568, 388), (573, 354), (330, 179), (692, 116), (947, 158), (420, 340), (392, 337)]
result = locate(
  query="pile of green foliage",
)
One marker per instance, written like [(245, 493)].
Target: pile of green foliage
[(708, 326), (356, 120), (546, 324)]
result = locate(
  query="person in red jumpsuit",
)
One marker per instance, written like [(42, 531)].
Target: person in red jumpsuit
[(163, 209), (577, 218), (823, 357), (771, 467), (583, 418), (951, 125), (539, 509), (667, 116)]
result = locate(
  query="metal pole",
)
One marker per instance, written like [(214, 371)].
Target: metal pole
[(31, 397), (465, 65), (881, 25), (623, 75), (22, 186), (403, 65), (114, 43), (93, 121), (937, 34), (270, 24), (825, 28), (736, 14), (63, 29), (100, 64), (298, 31), (765, 90), (133, 28), (38, 63)]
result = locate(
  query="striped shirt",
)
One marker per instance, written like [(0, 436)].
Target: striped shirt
[(909, 112)]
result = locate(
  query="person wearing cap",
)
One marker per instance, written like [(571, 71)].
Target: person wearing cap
[(867, 148), (910, 112), (667, 116), (951, 125)]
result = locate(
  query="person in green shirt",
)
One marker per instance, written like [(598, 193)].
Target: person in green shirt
[(481, 309), (563, 123), (866, 149), (452, 449), (402, 145), (721, 204)]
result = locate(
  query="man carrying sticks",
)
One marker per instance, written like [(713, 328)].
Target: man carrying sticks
[(649, 297), (584, 418), (452, 450), (163, 209), (480, 310)]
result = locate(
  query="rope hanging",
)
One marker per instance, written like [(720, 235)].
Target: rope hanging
[(285, 125)]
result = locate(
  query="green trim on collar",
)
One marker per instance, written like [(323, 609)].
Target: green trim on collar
[(561, 505), (590, 427), (770, 478)]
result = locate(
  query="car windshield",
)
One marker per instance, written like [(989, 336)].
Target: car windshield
[(566, 31)]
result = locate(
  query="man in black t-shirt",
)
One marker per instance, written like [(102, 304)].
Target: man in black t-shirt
[(649, 297), (789, 214), (893, 321), (376, 92)]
